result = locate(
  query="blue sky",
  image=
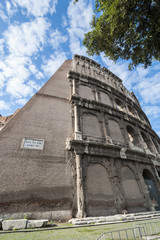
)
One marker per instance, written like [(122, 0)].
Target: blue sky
[(37, 36)]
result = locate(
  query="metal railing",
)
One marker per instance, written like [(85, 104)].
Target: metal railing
[(151, 228), (124, 234), (139, 231)]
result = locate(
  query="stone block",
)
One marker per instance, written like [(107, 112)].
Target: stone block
[(14, 224), (37, 223)]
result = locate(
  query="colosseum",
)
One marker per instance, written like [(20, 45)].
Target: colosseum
[(81, 146)]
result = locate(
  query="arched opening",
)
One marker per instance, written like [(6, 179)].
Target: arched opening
[(99, 193), (141, 117), (158, 171), (91, 127), (156, 144), (105, 99), (152, 189), (119, 104), (131, 111), (86, 92), (115, 132), (133, 137), (133, 197), (147, 141)]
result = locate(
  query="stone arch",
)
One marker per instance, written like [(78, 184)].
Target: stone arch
[(141, 117), (156, 144), (91, 126), (134, 200), (115, 131), (147, 141), (133, 137), (132, 111), (86, 92), (105, 99), (153, 191), (119, 104), (99, 193)]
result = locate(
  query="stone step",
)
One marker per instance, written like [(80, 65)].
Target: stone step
[(14, 224), (23, 224), (114, 218)]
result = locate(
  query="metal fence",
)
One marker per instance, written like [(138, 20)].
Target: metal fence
[(151, 228), (133, 233), (139, 231)]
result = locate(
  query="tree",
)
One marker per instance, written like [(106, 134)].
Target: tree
[(126, 29)]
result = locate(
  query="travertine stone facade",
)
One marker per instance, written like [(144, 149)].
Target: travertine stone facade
[(82, 146)]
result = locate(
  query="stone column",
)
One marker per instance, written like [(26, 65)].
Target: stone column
[(74, 86), (124, 131), (108, 139), (80, 188), (78, 135)]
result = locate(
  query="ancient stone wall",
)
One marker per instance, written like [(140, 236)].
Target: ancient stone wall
[(113, 142), (82, 146), (35, 176)]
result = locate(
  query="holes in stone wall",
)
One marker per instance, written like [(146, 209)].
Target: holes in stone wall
[(147, 141), (133, 137), (119, 104), (132, 111)]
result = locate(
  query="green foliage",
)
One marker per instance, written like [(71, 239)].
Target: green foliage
[(126, 29)]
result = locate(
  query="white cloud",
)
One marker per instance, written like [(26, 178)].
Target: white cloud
[(34, 85), (37, 8), (144, 82), (23, 42), (21, 101), (4, 105), (27, 38), (11, 9), (64, 21), (53, 7), (3, 16), (14, 66), (53, 63), (149, 88), (152, 111), (56, 39), (19, 89), (80, 16), (14, 72), (33, 69)]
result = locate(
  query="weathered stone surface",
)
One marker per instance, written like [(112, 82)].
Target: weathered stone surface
[(111, 157), (50, 215), (14, 224), (0, 224), (37, 223), (115, 218)]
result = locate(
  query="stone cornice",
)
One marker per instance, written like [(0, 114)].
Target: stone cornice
[(108, 150), (88, 79), (98, 106)]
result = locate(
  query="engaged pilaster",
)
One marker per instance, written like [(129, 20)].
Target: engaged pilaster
[(80, 187)]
